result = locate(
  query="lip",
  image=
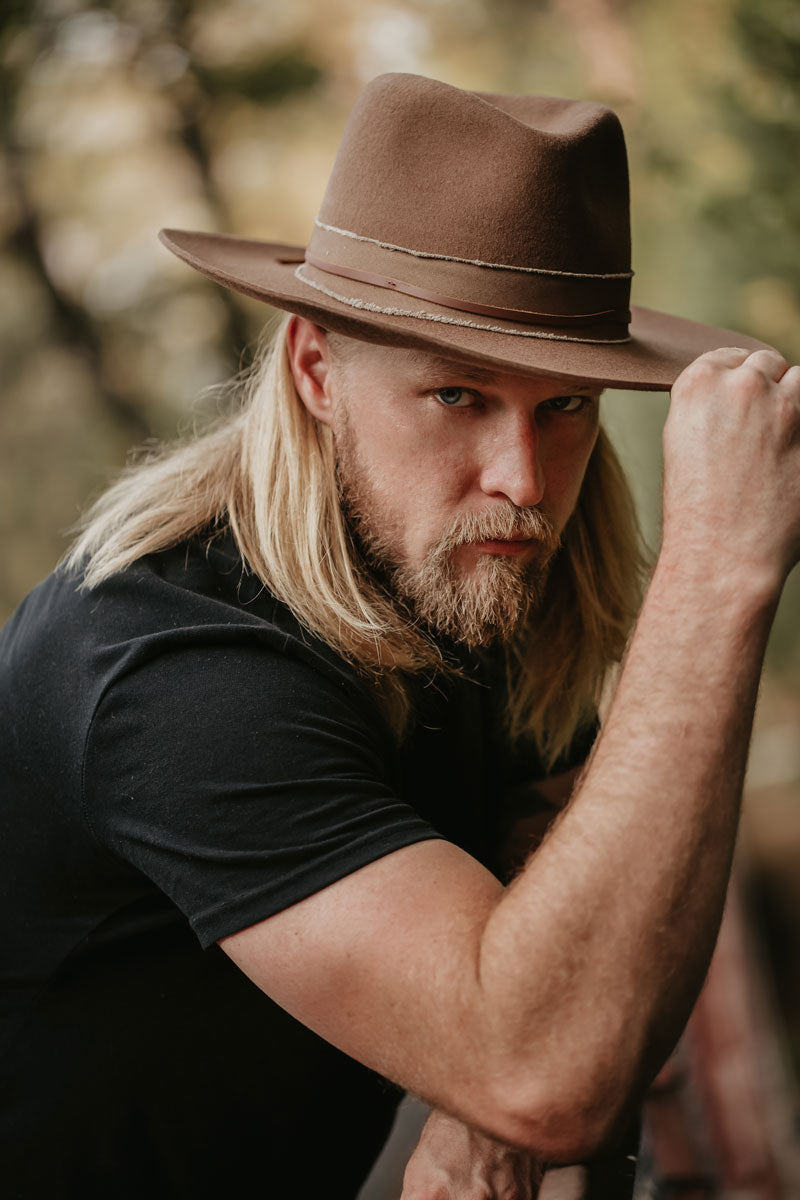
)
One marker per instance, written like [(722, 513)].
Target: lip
[(510, 546)]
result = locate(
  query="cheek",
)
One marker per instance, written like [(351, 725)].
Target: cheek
[(414, 479), (429, 490), (415, 474), (432, 492), (568, 457), (423, 468)]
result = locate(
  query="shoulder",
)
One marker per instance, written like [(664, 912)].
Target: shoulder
[(183, 631), (192, 624), (193, 643), (191, 603)]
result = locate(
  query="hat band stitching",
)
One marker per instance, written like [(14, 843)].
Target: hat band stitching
[(472, 262), (524, 315), (368, 306)]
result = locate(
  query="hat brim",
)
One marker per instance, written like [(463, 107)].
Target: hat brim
[(659, 348)]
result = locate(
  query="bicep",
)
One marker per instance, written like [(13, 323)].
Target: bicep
[(384, 964)]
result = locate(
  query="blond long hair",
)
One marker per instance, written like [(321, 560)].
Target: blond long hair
[(268, 472)]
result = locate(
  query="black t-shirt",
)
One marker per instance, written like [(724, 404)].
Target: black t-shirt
[(179, 759)]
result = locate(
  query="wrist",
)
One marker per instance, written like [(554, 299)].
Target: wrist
[(726, 583)]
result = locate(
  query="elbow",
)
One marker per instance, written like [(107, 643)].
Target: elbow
[(561, 1138), (559, 1125), (556, 1137)]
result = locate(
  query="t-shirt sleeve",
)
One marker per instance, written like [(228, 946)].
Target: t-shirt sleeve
[(240, 780)]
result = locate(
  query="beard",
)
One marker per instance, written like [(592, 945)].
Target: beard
[(487, 604)]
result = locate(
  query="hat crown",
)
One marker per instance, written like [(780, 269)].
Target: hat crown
[(487, 227), (528, 181)]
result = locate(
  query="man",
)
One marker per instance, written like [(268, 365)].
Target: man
[(267, 730)]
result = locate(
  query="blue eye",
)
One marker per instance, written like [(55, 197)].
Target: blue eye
[(451, 396), (567, 403)]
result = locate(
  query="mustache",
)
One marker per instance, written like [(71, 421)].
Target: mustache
[(502, 523)]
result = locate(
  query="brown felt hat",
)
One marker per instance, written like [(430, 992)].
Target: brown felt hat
[(489, 228)]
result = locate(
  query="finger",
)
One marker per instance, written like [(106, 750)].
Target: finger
[(790, 381), (730, 356), (769, 362)]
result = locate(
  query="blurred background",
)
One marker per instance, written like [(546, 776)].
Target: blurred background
[(122, 117)]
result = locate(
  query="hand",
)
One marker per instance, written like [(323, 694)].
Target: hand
[(454, 1162), (732, 465)]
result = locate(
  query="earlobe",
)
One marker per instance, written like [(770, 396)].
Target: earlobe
[(310, 364)]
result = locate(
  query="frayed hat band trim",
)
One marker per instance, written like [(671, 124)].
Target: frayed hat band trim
[(523, 315), (472, 262), (369, 306), (598, 307)]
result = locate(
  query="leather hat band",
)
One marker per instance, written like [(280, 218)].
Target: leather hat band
[(527, 316), (502, 292)]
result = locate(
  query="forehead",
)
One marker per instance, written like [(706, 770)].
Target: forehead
[(428, 365), (489, 376)]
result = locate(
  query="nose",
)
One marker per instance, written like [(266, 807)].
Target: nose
[(513, 468)]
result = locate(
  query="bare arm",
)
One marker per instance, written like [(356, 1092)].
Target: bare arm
[(538, 1012), (452, 1159)]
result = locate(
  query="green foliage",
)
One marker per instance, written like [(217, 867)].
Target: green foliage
[(764, 115), (769, 34), (268, 80)]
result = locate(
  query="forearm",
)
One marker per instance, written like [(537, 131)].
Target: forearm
[(604, 939)]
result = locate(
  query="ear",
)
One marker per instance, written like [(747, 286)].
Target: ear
[(310, 364)]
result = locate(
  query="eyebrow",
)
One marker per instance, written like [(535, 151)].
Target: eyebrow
[(453, 366), (476, 374)]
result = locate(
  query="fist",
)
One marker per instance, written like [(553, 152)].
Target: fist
[(454, 1162), (732, 465)]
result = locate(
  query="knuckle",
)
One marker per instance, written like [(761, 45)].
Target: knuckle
[(751, 380), (707, 364), (698, 373), (790, 383), (702, 370)]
